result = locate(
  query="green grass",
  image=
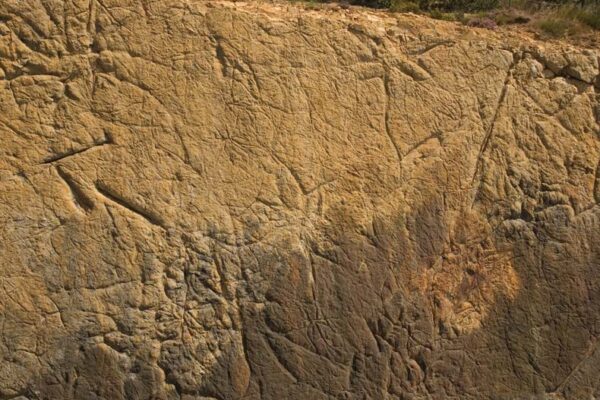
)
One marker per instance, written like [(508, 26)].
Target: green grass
[(589, 16), (562, 20), (404, 6), (555, 27)]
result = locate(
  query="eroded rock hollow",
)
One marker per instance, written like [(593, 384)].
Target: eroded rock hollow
[(221, 200)]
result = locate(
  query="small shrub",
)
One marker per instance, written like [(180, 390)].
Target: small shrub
[(452, 16), (555, 27), (436, 14), (445, 16), (404, 6), (312, 5)]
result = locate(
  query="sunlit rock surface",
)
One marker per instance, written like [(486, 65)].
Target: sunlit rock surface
[(255, 201)]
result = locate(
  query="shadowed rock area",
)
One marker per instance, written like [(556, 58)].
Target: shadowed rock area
[(214, 200)]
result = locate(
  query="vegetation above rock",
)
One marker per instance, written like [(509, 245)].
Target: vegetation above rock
[(557, 18)]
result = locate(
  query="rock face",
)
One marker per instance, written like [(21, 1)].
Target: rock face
[(253, 201)]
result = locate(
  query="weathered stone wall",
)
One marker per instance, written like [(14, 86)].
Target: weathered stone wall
[(210, 200)]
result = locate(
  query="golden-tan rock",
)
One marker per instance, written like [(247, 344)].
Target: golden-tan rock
[(214, 200)]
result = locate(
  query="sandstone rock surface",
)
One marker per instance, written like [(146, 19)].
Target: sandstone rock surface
[(222, 200)]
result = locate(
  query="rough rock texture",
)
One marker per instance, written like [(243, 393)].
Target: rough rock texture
[(217, 200)]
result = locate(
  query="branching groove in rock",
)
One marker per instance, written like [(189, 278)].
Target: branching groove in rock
[(257, 200)]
